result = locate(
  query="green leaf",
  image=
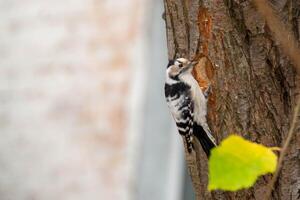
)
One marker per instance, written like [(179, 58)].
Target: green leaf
[(237, 163)]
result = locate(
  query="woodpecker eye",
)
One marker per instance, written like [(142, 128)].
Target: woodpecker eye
[(178, 63)]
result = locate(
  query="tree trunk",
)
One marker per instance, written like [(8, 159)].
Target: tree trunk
[(253, 83)]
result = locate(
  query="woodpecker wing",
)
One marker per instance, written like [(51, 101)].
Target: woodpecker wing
[(181, 107), (185, 123)]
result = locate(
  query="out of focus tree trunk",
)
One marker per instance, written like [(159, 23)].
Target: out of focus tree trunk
[(253, 82)]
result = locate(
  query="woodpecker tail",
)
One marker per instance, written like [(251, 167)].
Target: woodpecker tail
[(205, 138)]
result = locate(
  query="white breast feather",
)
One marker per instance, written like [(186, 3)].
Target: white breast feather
[(200, 107)]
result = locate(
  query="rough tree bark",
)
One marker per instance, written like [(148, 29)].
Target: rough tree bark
[(253, 83)]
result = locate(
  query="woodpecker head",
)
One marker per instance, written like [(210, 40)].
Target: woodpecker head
[(179, 67)]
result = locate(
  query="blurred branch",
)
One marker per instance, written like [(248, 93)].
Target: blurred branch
[(290, 46), (284, 150)]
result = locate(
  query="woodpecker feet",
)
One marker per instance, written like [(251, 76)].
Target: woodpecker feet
[(207, 91)]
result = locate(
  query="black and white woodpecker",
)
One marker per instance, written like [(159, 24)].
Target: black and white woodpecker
[(188, 104)]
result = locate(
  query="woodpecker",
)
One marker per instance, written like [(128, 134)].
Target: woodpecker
[(188, 104)]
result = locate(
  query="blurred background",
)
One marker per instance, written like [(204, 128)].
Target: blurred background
[(82, 109)]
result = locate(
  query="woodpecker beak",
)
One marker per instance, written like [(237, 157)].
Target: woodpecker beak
[(192, 64)]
